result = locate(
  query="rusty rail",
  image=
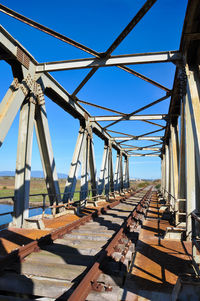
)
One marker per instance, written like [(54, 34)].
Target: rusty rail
[(34, 246), (86, 285)]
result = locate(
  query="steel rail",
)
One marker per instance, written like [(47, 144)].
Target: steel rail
[(34, 246), (85, 286)]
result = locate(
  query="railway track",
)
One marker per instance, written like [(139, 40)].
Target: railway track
[(85, 261)]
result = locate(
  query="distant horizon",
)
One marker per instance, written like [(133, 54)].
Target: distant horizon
[(4, 173)]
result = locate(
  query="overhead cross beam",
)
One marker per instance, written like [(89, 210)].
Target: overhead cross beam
[(128, 149), (137, 138), (139, 110), (148, 4), (65, 39), (130, 59), (127, 117)]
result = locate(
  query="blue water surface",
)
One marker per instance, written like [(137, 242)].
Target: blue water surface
[(9, 208)]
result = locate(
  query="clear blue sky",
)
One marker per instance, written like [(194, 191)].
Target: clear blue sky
[(96, 25)]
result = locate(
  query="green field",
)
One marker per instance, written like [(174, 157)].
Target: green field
[(38, 186)]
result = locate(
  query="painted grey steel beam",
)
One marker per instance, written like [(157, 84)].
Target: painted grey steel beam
[(175, 157), (193, 99), (182, 161), (191, 188), (140, 109), (120, 172), (142, 148), (9, 107), (116, 174), (167, 170), (103, 170), (142, 155), (110, 187), (134, 117), (84, 168), (74, 167), (93, 170), (23, 163), (11, 46), (46, 154), (131, 59), (126, 173), (135, 138)]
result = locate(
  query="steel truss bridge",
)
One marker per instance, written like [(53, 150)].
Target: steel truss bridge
[(178, 148)]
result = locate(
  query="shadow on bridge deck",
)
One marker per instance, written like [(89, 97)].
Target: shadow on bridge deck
[(158, 262)]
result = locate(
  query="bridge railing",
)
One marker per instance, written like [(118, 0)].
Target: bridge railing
[(90, 195)]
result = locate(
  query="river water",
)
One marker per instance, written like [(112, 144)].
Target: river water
[(9, 208)]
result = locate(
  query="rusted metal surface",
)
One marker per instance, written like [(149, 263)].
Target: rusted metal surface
[(32, 239), (66, 252), (86, 285), (158, 261)]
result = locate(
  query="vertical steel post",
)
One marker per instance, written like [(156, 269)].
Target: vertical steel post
[(126, 173), (85, 168), (92, 164), (175, 157), (171, 174), (116, 176), (103, 177), (23, 163), (109, 183), (167, 171), (74, 167), (190, 169), (193, 93), (46, 154), (182, 167), (121, 172)]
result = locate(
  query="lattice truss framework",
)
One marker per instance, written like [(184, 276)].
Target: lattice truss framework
[(32, 81)]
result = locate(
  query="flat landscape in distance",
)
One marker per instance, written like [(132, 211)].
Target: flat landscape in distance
[(38, 186)]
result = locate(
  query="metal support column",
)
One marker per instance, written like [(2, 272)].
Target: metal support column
[(92, 164), (190, 169), (46, 154), (182, 167), (116, 175), (85, 167), (167, 171), (103, 177), (175, 160), (126, 173), (23, 163), (193, 92), (74, 167)]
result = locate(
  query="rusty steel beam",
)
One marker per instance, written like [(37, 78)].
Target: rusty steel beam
[(45, 29), (148, 4)]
